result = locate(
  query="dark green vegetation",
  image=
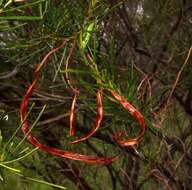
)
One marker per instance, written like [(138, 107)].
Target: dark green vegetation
[(141, 48)]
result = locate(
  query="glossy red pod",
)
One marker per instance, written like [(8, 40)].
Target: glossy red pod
[(73, 155), (33, 140), (136, 114), (98, 121)]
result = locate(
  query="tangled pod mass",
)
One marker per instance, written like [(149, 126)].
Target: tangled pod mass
[(73, 155)]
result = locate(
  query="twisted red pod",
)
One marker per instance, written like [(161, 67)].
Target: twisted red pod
[(72, 112), (48, 149), (97, 122), (72, 115), (136, 114), (74, 90)]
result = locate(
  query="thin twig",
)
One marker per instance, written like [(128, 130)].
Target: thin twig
[(179, 74)]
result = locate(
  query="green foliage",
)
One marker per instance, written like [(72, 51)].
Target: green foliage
[(139, 49), (13, 152)]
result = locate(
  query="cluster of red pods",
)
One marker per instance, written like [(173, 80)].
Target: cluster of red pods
[(73, 155)]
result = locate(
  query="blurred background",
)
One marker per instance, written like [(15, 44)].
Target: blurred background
[(141, 48)]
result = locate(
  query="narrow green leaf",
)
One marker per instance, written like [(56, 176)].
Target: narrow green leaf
[(28, 18)]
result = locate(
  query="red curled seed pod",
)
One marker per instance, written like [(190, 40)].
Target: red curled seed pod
[(51, 150), (74, 90), (136, 114), (97, 122), (54, 151)]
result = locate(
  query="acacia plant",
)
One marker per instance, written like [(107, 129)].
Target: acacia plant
[(95, 94)]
